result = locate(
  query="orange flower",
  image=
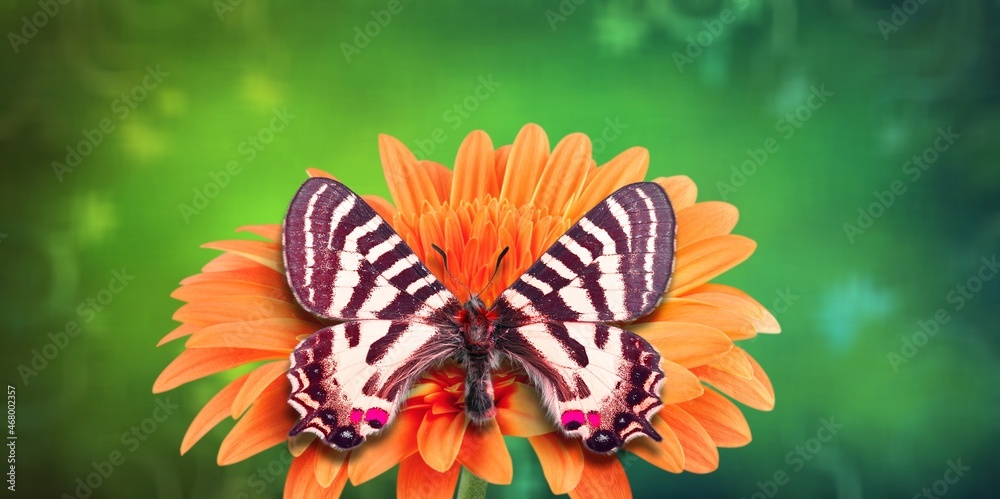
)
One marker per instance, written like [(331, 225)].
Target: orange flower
[(522, 196)]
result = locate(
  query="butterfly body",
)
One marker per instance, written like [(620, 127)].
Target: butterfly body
[(477, 327), (396, 320)]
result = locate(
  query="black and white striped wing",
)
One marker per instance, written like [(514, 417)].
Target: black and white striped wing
[(599, 382), (612, 266), (347, 380), (344, 262)]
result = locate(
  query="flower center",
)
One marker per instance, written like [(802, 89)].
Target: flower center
[(472, 235)]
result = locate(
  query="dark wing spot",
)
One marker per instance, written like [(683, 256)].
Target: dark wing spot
[(382, 345), (636, 396), (346, 437), (603, 441), (370, 385), (352, 332), (601, 337), (582, 390), (317, 393), (576, 351)]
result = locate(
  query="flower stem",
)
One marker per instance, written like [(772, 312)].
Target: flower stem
[(471, 486)]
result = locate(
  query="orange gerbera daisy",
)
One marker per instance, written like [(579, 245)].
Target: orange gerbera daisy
[(523, 196)]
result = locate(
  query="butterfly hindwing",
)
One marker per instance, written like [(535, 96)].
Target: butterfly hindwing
[(345, 262), (612, 266), (599, 382), (348, 380)]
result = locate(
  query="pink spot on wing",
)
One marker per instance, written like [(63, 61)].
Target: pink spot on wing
[(570, 417), (594, 419), (356, 416), (377, 416)]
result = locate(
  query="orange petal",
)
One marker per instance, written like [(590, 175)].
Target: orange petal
[(277, 335), (441, 177), (300, 483), (180, 332), (409, 184), (700, 453), (485, 454), (316, 172), (217, 409), (500, 157), (266, 254), (440, 438), (212, 289), (705, 220), (733, 299), (735, 363), (755, 392), (265, 425), (689, 345), (229, 261), (258, 380), (386, 448), (681, 190), (271, 232), (520, 413), (524, 165), (196, 363), (416, 480), (256, 274), (665, 454), (603, 476), (237, 309), (299, 443), (701, 261), (331, 467), (628, 167), (732, 324), (720, 418), (384, 208), (680, 384), (564, 174), (561, 458), (474, 172)]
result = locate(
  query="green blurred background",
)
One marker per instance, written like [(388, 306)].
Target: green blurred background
[(847, 301)]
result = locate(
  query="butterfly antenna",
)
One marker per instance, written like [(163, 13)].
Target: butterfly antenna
[(444, 258), (496, 269)]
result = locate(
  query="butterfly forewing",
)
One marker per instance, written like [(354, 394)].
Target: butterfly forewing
[(612, 266), (598, 381), (344, 262)]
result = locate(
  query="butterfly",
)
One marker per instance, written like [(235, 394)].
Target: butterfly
[(395, 319)]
